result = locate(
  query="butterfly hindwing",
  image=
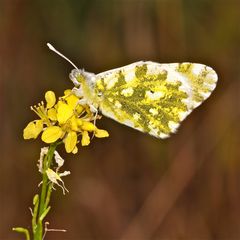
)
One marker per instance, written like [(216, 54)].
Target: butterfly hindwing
[(153, 97)]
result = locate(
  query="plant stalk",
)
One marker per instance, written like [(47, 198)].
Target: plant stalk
[(42, 207)]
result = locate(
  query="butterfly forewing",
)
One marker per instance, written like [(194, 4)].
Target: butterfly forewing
[(153, 97)]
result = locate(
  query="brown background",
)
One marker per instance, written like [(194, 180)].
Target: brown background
[(130, 186)]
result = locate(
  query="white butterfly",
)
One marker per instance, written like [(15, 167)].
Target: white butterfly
[(147, 96)]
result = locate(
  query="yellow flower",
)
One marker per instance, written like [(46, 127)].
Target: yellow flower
[(85, 139), (63, 120), (33, 129), (100, 133), (70, 141), (52, 134), (88, 126), (50, 98)]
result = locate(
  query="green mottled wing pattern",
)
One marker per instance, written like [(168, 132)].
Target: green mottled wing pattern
[(152, 97)]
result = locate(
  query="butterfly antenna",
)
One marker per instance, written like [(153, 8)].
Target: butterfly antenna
[(50, 46)]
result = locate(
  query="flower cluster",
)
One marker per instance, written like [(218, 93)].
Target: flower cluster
[(64, 120)]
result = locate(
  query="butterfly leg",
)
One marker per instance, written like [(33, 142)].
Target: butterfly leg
[(77, 91), (93, 109)]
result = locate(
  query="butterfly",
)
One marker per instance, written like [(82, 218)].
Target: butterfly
[(151, 97)]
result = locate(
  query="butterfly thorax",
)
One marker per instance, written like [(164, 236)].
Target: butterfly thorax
[(84, 85)]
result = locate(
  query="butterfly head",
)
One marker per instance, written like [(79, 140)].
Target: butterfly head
[(79, 77), (84, 85)]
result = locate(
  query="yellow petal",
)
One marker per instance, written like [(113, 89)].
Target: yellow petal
[(88, 126), (67, 92), (52, 114), (50, 98), (79, 108), (64, 112), (74, 124), (75, 150), (79, 122), (100, 133), (72, 101), (70, 141), (33, 129), (85, 139), (52, 134)]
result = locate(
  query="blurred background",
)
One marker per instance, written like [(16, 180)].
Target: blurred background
[(130, 186)]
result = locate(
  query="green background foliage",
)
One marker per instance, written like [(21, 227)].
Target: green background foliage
[(130, 184)]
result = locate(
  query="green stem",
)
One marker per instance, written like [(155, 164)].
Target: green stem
[(48, 195), (22, 230), (35, 212), (46, 191)]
